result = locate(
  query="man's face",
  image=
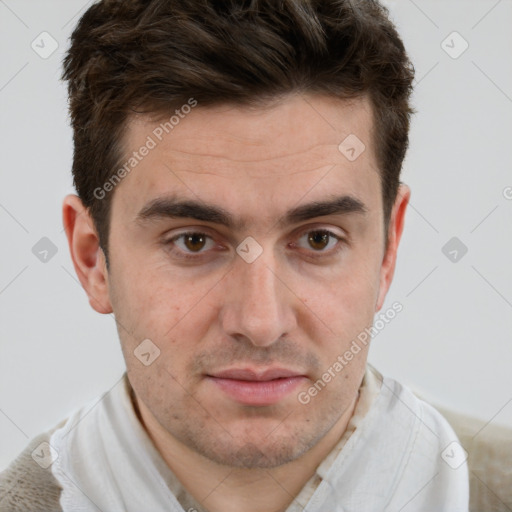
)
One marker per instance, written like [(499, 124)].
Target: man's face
[(242, 334)]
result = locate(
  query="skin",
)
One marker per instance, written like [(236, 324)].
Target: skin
[(286, 308)]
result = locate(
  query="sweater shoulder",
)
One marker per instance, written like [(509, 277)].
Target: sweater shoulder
[(28, 484)]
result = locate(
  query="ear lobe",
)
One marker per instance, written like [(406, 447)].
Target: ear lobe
[(395, 229), (86, 253)]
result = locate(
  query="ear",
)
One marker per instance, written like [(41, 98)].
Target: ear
[(88, 258), (396, 226)]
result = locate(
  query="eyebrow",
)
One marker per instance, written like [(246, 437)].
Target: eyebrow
[(174, 207)]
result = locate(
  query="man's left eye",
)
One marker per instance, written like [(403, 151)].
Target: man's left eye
[(320, 240)]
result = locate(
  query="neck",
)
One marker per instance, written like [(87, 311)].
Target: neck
[(227, 489)]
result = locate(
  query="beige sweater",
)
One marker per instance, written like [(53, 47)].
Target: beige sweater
[(27, 487)]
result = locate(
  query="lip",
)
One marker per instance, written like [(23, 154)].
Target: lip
[(257, 388), (249, 374)]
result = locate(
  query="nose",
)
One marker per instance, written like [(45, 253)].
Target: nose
[(258, 302)]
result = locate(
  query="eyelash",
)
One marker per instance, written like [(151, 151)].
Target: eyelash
[(197, 256)]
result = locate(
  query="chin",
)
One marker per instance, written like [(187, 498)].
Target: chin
[(257, 451), (251, 456)]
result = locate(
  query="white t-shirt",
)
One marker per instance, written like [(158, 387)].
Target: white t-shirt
[(397, 454)]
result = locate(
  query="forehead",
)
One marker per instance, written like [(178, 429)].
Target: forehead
[(293, 124), (248, 157)]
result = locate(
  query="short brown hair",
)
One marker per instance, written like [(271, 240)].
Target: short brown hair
[(151, 56)]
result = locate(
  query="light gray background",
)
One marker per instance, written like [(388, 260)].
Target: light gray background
[(452, 342)]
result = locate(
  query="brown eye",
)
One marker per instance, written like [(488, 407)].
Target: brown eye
[(195, 241), (320, 241), (192, 243)]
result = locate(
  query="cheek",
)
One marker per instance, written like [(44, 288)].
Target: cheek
[(343, 312), (171, 312), (345, 300)]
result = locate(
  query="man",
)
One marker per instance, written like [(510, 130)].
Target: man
[(239, 210)]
